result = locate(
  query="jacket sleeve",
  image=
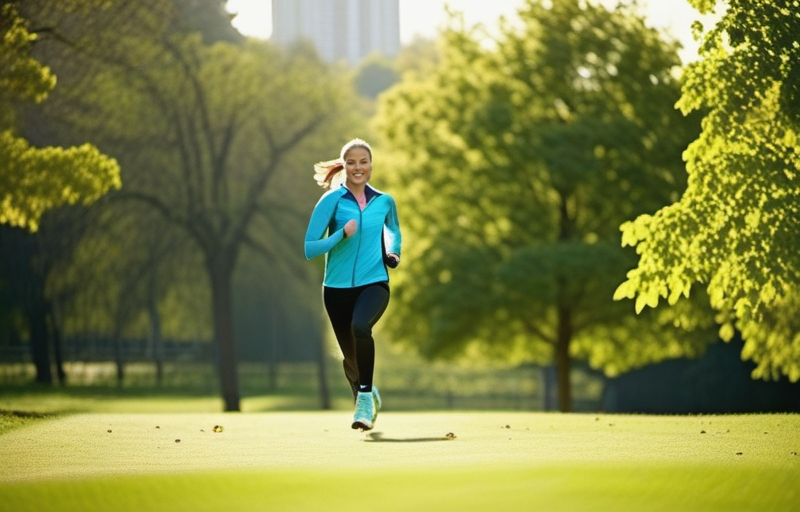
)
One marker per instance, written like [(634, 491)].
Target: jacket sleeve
[(316, 243), (393, 237)]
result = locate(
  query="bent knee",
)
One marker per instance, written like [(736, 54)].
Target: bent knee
[(361, 331)]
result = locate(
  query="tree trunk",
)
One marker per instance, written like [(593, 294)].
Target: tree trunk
[(563, 361), (119, 357), (157, 342), (564, 311), (40, 342), (564, 364), (272, 359), (220, 270), (58, 349)]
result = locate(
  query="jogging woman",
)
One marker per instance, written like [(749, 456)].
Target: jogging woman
[(356, 227)]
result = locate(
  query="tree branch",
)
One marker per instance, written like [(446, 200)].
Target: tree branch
[(536, 331)]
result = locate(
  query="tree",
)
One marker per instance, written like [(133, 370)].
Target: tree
[(35, 180), (513, 162), (131, 278), (223, 127), (734, 229)]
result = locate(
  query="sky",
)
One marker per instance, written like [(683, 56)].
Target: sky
[(423, 17)]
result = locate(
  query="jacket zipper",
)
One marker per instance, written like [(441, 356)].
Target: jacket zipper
[(360, 231)]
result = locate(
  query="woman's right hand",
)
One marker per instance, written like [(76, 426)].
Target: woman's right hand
[(350, 228)]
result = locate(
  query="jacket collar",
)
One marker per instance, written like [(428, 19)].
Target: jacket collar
[(369, 191)]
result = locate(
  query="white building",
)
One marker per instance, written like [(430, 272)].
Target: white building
[(339, 29)]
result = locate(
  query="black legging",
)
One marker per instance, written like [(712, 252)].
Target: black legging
[(353, 313)]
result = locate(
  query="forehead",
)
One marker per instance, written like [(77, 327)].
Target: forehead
[(357, 153)]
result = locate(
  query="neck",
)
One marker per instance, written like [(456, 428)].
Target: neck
[(356, 190)]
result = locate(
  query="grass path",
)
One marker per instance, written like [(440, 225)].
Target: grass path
[(312, 461)]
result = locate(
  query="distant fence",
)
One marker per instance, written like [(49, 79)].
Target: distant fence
[(103, 349), (407, 387), (92, 361)]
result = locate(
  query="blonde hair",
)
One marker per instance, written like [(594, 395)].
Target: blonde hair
[(327, 172)]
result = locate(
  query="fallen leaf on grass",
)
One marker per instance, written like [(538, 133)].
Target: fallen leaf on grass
[(217, 428)]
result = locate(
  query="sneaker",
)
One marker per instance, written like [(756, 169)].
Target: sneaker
[(365, 411), (377, 399)]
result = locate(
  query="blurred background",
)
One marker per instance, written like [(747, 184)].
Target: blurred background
[(165, 150)]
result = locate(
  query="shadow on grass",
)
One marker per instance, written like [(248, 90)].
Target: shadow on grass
[(377, 437), (25, 414), (11, 419)]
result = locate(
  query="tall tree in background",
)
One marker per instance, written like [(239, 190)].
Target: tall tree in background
[(515, 163), (233, 116), (37, 178), (44, 254), (735, 229), (212, 138)]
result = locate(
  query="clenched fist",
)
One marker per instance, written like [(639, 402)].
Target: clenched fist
[(350, 228)]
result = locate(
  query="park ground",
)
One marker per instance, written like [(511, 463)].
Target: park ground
[(436, 461)]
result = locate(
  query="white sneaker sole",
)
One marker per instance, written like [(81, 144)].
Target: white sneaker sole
[(362, 425)]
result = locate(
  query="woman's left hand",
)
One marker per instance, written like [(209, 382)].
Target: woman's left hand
[(393, 260)]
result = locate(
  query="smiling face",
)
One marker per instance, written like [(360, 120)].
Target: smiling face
[(357, 166)]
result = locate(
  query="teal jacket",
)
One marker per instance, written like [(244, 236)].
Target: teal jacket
[(359, 259)]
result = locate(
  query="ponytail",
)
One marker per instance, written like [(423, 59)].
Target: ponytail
[(324, 172)]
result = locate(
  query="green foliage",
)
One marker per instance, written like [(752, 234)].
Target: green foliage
[(35, 180), (734, 230), (22, 77), (513, 161)]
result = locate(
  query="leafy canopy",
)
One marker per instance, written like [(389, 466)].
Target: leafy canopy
[(735, 229), (513, 161), (34, 180)]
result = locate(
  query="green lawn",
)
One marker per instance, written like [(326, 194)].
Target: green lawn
[(497, 460)]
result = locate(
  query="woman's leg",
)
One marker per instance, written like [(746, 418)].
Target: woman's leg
[(369, 307), (339, 304)]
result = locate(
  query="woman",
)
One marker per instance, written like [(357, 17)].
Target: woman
[(356, 227)]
